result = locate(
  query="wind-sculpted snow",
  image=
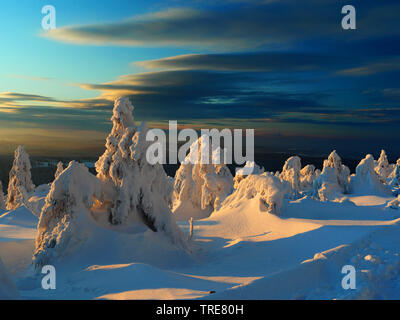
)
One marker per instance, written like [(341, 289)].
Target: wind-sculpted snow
[(334, 179), (394, 177), (382, 167), (204, 184), (307, 176), (141, 192), (267, 187), (20, 184), (366, 180)]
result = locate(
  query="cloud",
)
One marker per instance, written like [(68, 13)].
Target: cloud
[(275, 24), (26, 77), (390, 65), (255, 62)]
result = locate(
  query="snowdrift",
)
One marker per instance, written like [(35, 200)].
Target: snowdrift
[(8, 290)]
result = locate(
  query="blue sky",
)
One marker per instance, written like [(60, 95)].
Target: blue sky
[(285, 68)]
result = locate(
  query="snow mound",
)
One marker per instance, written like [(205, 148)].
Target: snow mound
[(19, 217), (366, 181), (37, 199), (8, 290), (269, 188), (334, 179), (201, 185)]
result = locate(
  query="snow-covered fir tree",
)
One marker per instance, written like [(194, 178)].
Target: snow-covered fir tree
[(268, 188), (394, 177), (142, 191), (2, 198), (20, 182), (201, 183), (65, 221), (366, 180), (382, 167), (241, 173), (307, 176), (334, 179), (60, 169), (291, 174)]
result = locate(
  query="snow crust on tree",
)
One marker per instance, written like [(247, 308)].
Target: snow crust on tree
[(307, 176), (241, 173), (291, 174), (333, 180), (20, 182), (60, 169), (65, 221), (8, 290), (2, 198), (141, 192), (366, 180), (266, 186), (201, 182), (382, 167)]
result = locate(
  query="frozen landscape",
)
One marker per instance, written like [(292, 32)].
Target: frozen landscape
[(125, 232)]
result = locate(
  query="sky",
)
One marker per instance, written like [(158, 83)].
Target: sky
[(285, 68)]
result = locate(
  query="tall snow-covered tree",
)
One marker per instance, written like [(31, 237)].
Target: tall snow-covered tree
[(202, 182), (2, 198), (291, 173), (366, 180), (65, 220), (394, 177), (334, 179), (382, 167), (142, 192), (20, 182)]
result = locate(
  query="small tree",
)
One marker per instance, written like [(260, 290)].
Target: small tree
[(20, 183), (382, 167), (60, 169)]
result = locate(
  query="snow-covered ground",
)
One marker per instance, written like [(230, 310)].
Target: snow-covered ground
[(239, 252)]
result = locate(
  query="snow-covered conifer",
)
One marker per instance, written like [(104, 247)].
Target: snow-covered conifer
[(333, 180), (307, 176), (366, 180), (20, 183), (65, 221), (202, 185), (60, 169), (241, 173), (382, 167), (291, 173), (394, 177), (267, 187), (142, 190)]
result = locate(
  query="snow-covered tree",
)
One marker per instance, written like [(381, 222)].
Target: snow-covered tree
[(201, 184), (291, 173), (307, 176), (65, 221), (241, 173), (382, 167), (266, 187), (20, 182), (142, 192), (366, 180), (2, 198), (334, 179), (394, 177), (60, 169)]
